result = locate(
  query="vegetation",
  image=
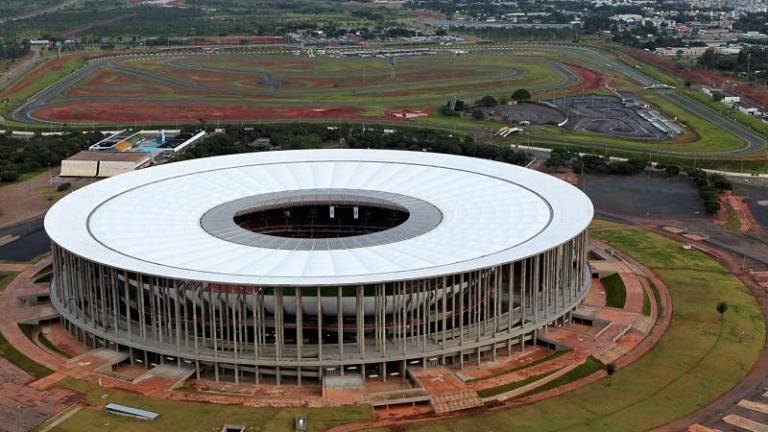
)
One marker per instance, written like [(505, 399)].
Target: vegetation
[(521, 95), (615, 291), (10, 353), (548, 358), (6, 278), (306, 136), (667, 382), (29, 331), (508, 387), (22, 156), (709, 185), (192, 416), (647, 304), (590, 366), (593, 163)]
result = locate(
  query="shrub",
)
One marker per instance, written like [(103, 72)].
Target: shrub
[(521, 95), (672, 170), (712, 207), (487, 101), (9, 175), (64, 187)]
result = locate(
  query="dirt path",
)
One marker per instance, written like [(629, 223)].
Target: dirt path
[(23, 201)]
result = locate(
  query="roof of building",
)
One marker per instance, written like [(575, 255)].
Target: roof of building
[(150, 221), (109, 156)]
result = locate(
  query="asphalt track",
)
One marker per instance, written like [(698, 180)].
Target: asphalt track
[(753, 142), (50, 97)]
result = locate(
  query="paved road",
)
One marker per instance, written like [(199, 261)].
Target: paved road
[(20, 69), (753, 142), (39, 12)]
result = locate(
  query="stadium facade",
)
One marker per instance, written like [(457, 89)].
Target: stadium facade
[(297, 264)]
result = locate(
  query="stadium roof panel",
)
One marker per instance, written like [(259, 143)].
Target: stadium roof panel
[(149, 221)]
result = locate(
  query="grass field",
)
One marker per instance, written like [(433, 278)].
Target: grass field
[(692, 364), (10, 353), (190, 416), (243, 87), (615, 291), (49, 72), (6, 278)]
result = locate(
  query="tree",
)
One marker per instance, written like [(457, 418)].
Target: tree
[(521, 95), (478, 114), (9, 175), (487, 101), (722, 307), (672, 170)]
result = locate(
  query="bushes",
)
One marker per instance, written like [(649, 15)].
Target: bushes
[(671, 170), (487, 101), (9, 173), (521, 95), (709, 186), (64, 187), (235, 139), (21, 156), (594, 164), (478, 114)]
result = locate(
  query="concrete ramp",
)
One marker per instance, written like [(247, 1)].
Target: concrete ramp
[(99, 360), (446, 392), (346, 389), (173, 374)]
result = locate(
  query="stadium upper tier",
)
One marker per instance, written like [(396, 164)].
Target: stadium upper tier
[(319, 217)]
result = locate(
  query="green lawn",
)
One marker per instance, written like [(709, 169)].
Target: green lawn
[(46, 79), (615, 291), (191, 416), (590, 366), (6, 278), (647, 304), (548, 358), (692, 364), (508, 387), (10, 353)]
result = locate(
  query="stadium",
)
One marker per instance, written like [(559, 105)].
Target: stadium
[(292, 265)]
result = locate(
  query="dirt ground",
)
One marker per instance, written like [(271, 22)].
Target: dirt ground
[(25, 200)]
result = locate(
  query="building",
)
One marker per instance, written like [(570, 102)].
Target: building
[(103, 164), (295, 265), (148, 141)]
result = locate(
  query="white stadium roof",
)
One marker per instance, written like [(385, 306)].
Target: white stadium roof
[(149, 221)]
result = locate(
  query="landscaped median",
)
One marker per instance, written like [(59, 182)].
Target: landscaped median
[(695, 361)]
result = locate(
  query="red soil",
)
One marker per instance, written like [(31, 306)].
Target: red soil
[(36, 74), (74, 31), (753, 93), (130, 112), (111, 83), (233, 40), (405, 113), (590, 80)]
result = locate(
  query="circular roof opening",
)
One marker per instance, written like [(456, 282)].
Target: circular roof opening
[(321, 219)]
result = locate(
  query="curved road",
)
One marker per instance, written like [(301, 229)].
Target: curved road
[(753, 142)]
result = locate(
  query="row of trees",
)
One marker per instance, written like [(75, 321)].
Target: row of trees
[(749, 59), (21, 156), (486, 101), (708, 185), (237, 139)]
